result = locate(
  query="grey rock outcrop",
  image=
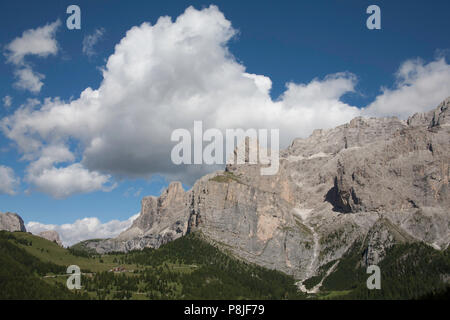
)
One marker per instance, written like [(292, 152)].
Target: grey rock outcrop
[(51, 235), (382, 181), (162, 219), (11, 222)]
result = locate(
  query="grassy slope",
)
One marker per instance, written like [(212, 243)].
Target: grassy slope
[(21, 274), (188, 268), (49, 251)]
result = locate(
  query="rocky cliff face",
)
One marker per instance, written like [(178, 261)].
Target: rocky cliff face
[(51, 235), (379, 181), (11, 222)]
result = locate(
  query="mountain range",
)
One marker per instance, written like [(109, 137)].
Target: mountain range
[(361, 193), (375, 181)]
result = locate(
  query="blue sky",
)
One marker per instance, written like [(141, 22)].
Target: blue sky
[(286, 41)]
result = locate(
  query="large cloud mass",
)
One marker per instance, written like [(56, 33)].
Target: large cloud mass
[(162, 77)]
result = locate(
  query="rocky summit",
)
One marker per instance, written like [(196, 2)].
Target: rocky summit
[(51, 235), (380, 181), (11, 222)]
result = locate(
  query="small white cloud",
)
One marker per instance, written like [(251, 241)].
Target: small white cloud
[(138, 192), (419, 87), (7, 101), (40, 42), (83, 229), (29, 80), (8, 181), (132, 191), (91, 40)]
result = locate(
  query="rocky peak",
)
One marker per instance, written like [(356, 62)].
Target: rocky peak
[(420, 119), (441, 115), (51, 235), (11, 222), (434, 118), (173, 193), (164, 214)]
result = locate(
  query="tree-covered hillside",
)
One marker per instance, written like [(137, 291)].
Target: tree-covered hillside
[(192, 268), (188, 268), (409, 271)]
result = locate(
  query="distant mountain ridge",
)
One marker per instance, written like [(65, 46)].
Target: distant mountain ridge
[(51, 235)]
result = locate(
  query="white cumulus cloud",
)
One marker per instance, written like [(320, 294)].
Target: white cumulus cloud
[(66, 181), (27, 79), (8, 181), (83, 229), (40, 42), (62, 182)]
